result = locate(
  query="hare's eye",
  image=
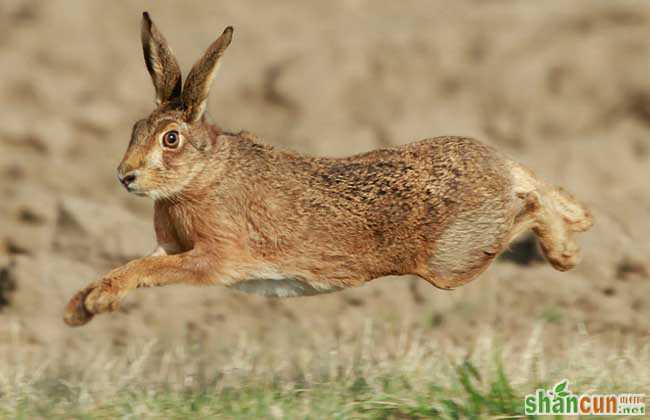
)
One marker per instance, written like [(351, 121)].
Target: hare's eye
[(171, 139)]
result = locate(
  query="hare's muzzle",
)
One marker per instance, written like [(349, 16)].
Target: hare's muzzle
[(127, 179)]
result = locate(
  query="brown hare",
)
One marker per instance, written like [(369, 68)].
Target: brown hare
[(231, 210)]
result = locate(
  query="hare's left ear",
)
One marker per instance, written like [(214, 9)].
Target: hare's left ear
[(161, 63), (197, 84)]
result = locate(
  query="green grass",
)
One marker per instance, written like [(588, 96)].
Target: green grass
[(469, 396), (369, 376)]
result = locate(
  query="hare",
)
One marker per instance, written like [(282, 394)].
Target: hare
[(231, 210)]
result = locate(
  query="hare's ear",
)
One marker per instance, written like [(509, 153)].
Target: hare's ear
[(197, 84), (161, 63)]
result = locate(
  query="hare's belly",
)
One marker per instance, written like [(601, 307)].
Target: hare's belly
[(286, 287), (276, 284)]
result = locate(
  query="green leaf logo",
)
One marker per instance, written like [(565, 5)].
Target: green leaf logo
[(560, 390)]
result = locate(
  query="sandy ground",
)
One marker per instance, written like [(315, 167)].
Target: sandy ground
[(561, 86)]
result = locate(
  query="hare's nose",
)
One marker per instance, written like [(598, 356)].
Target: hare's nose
[(127, 178)]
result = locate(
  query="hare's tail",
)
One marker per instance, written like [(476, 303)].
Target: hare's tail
[(554, 215)]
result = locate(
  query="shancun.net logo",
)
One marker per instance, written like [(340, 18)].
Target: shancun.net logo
[(560, 400)]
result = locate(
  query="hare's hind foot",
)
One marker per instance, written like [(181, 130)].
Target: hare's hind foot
[(555, 229), (553, 232), (554, 216), (577, 217)]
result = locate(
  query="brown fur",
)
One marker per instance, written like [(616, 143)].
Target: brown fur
[(160, 61), (232, 210)]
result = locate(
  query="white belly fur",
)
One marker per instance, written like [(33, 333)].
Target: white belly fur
[(268, 280), (281, 287)]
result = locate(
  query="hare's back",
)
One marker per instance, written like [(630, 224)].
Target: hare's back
[(427, 184), (461, 168)]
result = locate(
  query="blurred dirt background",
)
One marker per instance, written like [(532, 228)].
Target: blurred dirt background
[(561, 86)]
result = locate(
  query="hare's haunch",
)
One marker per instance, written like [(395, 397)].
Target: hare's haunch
[(231, 210)]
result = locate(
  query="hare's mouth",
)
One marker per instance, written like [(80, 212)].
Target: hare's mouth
[(139, 193), (136, 190), (133, 188), (130, 181)]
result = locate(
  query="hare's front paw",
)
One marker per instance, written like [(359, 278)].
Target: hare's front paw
[(105, 296), (98, 297), (76, 313)]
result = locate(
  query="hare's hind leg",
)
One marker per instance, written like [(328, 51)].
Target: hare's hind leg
[(468, 245), (476, 236), (554, 216)]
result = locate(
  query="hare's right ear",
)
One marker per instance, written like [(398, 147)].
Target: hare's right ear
[(161, 63), (199, 79)]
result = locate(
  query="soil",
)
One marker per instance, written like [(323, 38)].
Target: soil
[(562, 87)]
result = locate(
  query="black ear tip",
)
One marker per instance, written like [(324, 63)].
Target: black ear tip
[(145, 16), (229, 29)]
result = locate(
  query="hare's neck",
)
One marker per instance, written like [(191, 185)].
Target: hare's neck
[(238, 167)]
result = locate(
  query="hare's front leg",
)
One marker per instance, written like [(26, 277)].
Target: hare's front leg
[(155, 270)]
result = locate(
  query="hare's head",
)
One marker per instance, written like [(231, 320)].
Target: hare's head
[(167, 148)]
